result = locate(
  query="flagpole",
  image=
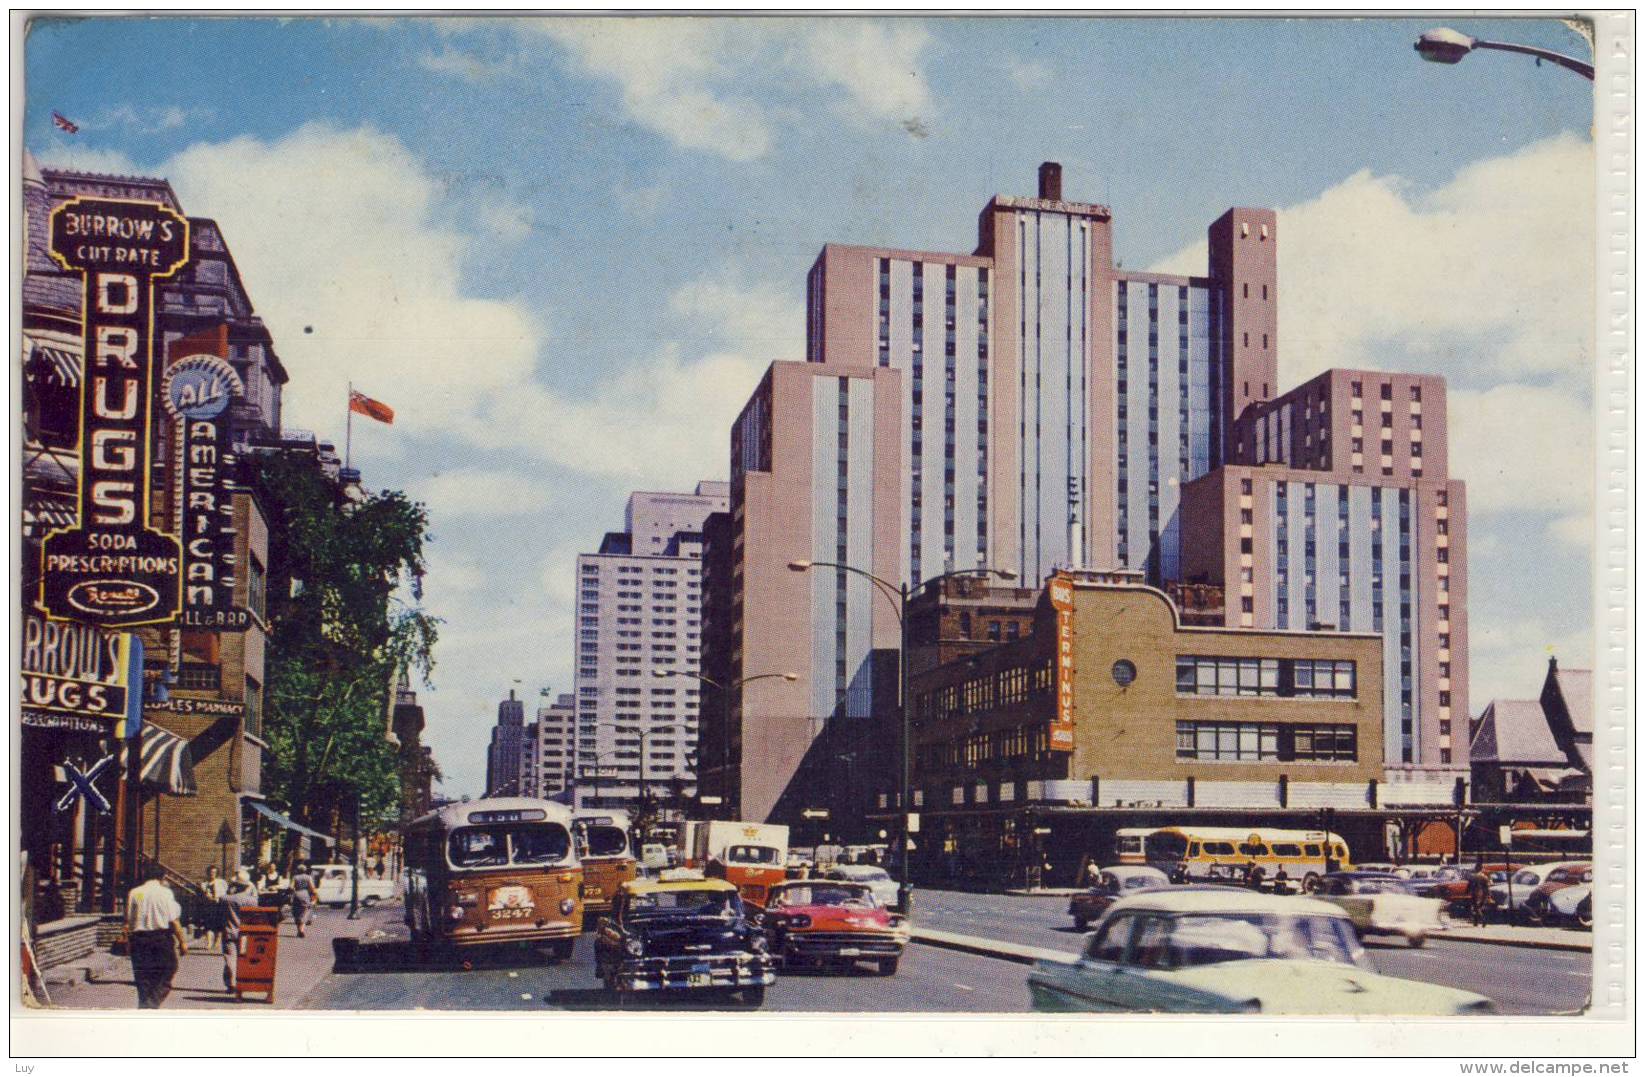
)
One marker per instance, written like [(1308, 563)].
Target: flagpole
[(348, 428)]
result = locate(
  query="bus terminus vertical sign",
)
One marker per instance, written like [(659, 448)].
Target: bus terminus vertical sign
[(1062, 725), (112, 568)]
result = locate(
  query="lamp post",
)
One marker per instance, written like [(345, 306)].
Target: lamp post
[(725, 691), (898, 594), (1443, 45)]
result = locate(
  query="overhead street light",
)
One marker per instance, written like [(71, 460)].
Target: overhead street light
[(1443, 45), (725, 722), (898, 595)]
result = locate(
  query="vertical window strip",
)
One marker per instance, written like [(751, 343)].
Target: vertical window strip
[(982, 415), (841, 530), (1407, 671), (949, 422), (1122, 408), (1153, 433), (917, 433)]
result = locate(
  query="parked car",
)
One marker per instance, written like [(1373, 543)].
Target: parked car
[(335, 885), (1574, 904), (1454, 891), (875, 878), (1536, 907), (1512, 893), (833, 922), (1381, 904), (1428, 882), (1213, 950), (681, 934), (1113, 883)]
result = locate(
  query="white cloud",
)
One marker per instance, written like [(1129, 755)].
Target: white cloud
[(1575, 531), (641, 201), (1508, 657), (76, 157), (877, 64), (664, 68), (472, 66), (1521, 447), (339, 230), (1489, 274), (510, 222), (470, 492), (148, 120), (765, 321)]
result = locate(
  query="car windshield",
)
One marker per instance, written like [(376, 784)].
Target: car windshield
[(599, 840), (1449, 873), (1211, 939), (1527, 878), (1142, 882), (1165, 846), (719, 903), (495, 846), (752, 854), (822, 894), (868, 875)]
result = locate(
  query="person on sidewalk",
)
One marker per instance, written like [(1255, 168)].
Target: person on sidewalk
[(154, 937), (303, 897), (241, 894), (213, 889), (1479, 893)]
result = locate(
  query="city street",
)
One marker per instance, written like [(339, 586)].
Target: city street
[(1521, 980)]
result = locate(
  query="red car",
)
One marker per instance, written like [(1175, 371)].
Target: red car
[(827, 922), (1455, 891)]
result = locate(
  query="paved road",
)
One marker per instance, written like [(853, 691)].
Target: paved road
[(928, 981), (1519, 980)]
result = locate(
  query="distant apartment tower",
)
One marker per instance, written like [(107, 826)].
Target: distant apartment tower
[(503, 756), (639, 612), (549, 746)]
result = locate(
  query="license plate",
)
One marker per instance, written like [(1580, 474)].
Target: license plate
[(849, 951), (699, 979), (510, 914)]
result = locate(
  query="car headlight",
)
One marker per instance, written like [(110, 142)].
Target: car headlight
[(566, 905), (756, 942), (800, 921), (633, 947)]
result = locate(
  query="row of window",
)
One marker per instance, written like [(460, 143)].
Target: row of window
[(1309, 678), (1259, 742)]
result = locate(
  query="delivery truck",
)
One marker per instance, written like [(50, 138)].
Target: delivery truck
[(751, 856)]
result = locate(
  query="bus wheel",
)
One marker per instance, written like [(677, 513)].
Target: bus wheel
[(753, 996), (561, 949), (1310, 883)]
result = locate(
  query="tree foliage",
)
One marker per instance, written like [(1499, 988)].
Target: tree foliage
[(338, 636)]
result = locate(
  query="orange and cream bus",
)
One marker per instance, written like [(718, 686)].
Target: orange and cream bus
[(605, 848), (1199, 853), (497, 871), (1128, 844)]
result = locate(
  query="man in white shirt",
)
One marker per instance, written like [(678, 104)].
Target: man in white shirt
[(154, 933)]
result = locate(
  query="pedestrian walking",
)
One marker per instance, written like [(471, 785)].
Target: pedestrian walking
[(213, 889), (241, 894), (1255, 877), (1479, 893), (154, 937), (303, 897), (1282, 881)]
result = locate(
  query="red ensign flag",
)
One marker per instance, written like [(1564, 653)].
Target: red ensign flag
[(371, 409)]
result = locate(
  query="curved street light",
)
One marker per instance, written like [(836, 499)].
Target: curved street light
[(898, 594), (725, 691), (1443, 45)]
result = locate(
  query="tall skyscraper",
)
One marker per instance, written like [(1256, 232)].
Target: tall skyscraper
[(549, 746), (639, 612), (503, 755), (1037, 406)]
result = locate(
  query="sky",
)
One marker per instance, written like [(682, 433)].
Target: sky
[(564, 250)]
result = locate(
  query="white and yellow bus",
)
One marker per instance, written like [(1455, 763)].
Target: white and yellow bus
[(1198, 854), (1128, 844)]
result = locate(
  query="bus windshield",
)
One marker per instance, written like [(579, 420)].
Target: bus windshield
[(752, 854), (496, 846), (1165, 846)]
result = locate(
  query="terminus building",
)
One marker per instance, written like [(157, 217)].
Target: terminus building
[(1029, 406)]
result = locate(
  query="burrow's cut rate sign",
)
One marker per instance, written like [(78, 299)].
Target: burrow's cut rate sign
[(112, 568)]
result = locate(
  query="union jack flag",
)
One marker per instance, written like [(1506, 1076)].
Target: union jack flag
[(63, 123)]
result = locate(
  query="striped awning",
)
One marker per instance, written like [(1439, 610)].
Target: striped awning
[(167, 764), (55, 364)]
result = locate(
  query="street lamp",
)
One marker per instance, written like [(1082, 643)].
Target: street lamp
[(725, 691), (898, 594), (1446, 46)]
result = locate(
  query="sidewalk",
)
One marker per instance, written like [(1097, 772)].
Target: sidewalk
[(1538, 938), (105, 980)]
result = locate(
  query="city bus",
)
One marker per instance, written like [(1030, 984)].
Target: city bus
[(1128, 844), (605, 848), (1202, 853), (498, 871)]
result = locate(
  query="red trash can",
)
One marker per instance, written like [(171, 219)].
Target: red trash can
[(259, 952)]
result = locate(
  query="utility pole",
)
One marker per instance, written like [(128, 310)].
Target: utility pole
[(354, 896)]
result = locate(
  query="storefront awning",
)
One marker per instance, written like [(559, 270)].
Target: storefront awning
[(285, 822), (165, 761), (55, 364)]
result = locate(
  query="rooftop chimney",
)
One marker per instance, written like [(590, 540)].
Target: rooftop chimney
[(1051, 181)]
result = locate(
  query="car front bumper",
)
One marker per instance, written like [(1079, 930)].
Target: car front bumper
[(699, 973), (803, 946)]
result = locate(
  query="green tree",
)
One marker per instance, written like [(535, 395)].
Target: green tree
[(339, 634)]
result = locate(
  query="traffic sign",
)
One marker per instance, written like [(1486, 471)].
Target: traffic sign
[(815, 813), (81, 784)]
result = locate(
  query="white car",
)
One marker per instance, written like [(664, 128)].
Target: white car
[(1218, 950), (880, 882), (335, 885), (1575, 904), (1510, 900), (1382, 905)]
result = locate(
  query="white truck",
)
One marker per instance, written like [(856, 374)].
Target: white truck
[(335, 882), (753, 856)]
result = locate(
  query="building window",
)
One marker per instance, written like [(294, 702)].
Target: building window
[(256, 587), (1306, 678), (254, 707), (1248, 742)]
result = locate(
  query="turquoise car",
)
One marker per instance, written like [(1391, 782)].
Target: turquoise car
[(1217, 950)]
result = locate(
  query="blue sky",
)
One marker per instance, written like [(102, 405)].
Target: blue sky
[(564, 250)]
